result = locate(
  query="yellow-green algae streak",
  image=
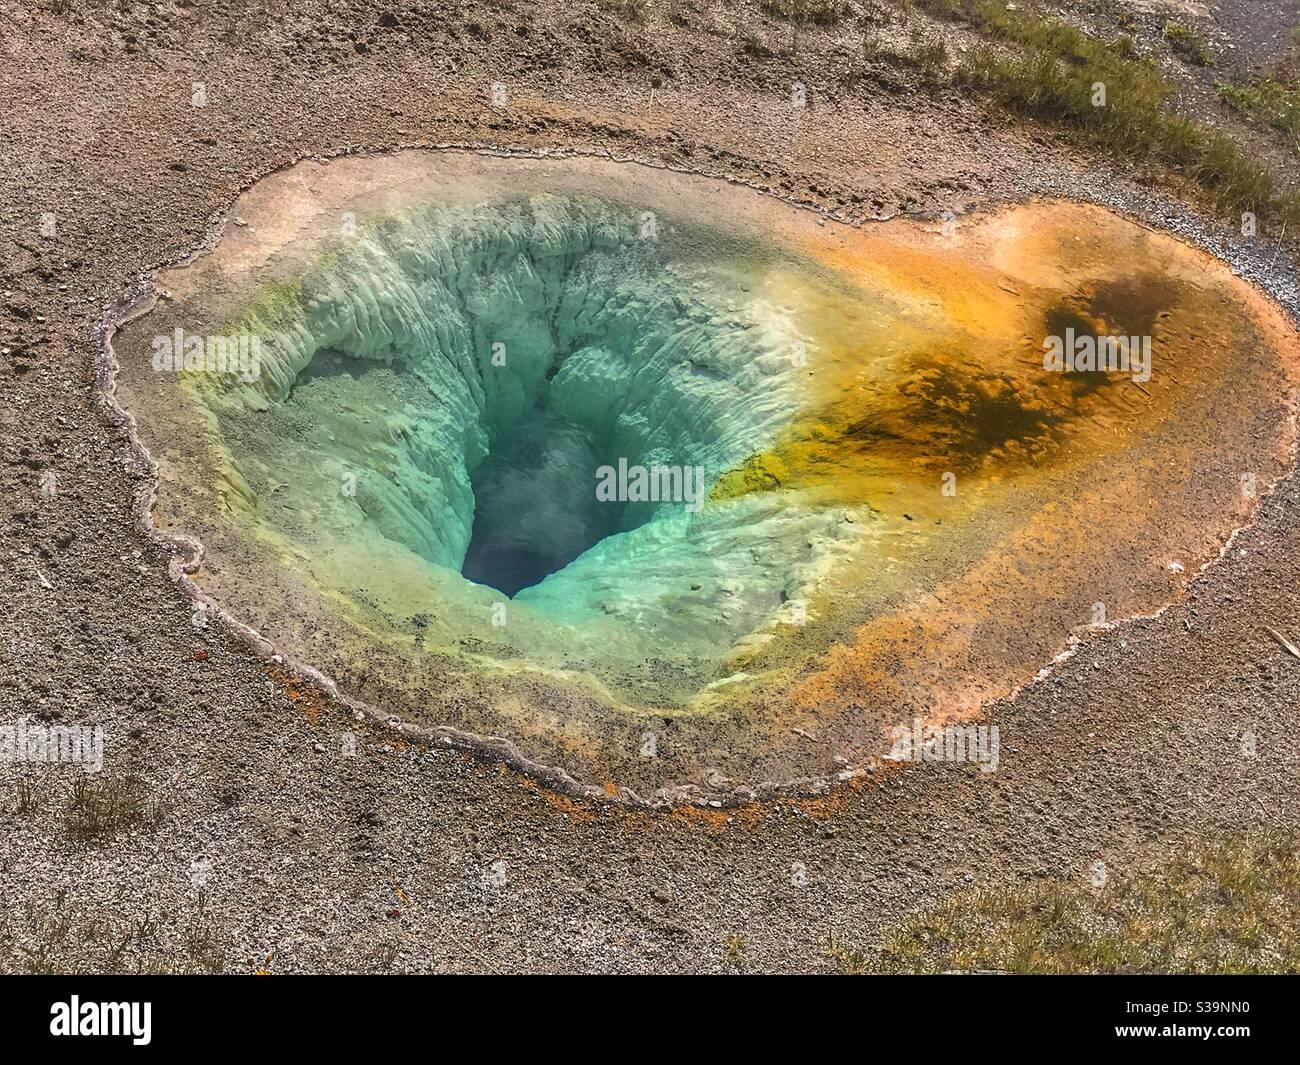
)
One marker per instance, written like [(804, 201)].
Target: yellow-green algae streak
[(906, 514)]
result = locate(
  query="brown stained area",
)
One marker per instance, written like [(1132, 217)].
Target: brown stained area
[(578, 811), (1121, 490), (939, 365), (307, 698)]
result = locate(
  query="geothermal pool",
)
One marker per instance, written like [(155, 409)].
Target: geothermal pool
[(671, 486)]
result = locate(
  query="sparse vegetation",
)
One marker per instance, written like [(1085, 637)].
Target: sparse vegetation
[(931, 59), (928, 56), (733, 951), (103, 806), (852, 961), (1267, 102), (816, 12), (1233, 907), (384, 957), (1101, 91), (24, 795), (61, 940), (1187, 43)]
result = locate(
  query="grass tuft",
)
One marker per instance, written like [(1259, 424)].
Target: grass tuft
[(733, 951), (106, 805), (1047, 70), (931, 59), (1186, 43), (25, 795), (817, 12), (1230, 907), (58, 939), (1269, 103)]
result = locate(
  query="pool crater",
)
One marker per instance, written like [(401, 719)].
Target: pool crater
[(671, 488)]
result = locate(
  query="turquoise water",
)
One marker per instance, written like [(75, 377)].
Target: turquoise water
[(453, 382)]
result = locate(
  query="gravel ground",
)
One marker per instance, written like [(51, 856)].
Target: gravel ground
[(271, 850)]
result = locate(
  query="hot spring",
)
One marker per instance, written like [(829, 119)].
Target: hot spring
[(675, 488)]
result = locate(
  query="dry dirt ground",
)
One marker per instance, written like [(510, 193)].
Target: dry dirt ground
[(265, 848)]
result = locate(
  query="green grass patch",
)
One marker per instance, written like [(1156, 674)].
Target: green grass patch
[(1231, 907), (1186, 43), (1110, 97), (1269, 103)]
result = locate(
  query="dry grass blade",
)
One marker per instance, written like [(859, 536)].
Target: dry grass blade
[(1291, 648)]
